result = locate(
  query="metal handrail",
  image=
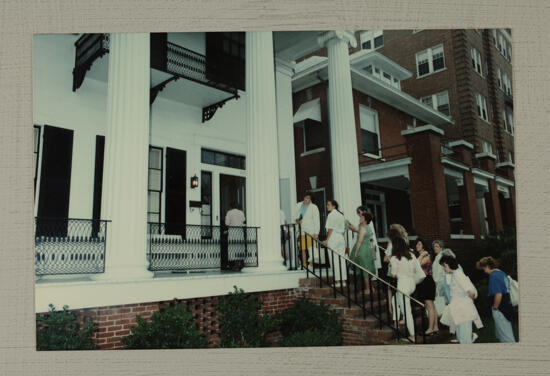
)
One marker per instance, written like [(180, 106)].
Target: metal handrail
[(371, 274), (379, 313)]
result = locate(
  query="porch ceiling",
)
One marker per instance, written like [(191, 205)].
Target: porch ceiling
[(292, 45)]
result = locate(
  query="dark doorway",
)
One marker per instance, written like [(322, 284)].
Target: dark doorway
[(175, 192), (232, 188), (55, 181)]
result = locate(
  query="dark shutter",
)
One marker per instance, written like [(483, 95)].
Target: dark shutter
[(55, 180), (98, 182), (175, 191), (159, 51)]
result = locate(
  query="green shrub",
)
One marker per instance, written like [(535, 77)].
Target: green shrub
[(309, 324), (169, 328), (240, 323), (59, 330)]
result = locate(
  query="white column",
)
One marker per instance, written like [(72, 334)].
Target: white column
[(126, 155), (262, 183), (285, 131), (343, 137)]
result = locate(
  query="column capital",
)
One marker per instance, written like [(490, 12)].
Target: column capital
[(285, 67), (345, 35)]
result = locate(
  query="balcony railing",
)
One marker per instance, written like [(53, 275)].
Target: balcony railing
[(184, 247), (69, 246), (88, 48)]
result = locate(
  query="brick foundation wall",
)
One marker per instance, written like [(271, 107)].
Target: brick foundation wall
[(114, 322)]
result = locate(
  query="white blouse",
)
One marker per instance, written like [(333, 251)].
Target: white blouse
[(336, 222)]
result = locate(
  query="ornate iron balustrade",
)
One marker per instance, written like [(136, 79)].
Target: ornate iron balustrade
[(195, 247), (88, 48), (69, 246)]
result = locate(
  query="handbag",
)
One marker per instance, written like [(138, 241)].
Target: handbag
[(418, 272), (514, 292)]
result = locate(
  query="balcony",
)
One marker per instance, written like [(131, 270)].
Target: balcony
[(205, 83)]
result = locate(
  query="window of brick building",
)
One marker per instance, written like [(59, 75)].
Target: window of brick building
[(476, 61), (370, 137), (372, 39), (507, 84), (487, 147), (499, 78), (430, 61), (482, 107), (439, 101), (510, 115)]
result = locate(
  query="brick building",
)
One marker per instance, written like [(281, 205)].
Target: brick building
[(443, 174)]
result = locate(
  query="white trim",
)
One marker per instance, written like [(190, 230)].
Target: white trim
[(485, 154), (385, 170), (423, 128), (460, 143), (453, 173), (503, 181), (386, 165), (457, 164), (373, 156), (363, 58), (82, 293), (481, 173), (506, 164), (462, 236), (314, 151), (431, 73)]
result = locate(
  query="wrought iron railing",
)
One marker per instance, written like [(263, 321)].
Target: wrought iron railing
[(69, 246), (290, 247), (88, 48), (350, 280), (195, 247)]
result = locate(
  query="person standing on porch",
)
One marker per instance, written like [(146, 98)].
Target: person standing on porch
[(235, 216), (307, 215), (336, 225)]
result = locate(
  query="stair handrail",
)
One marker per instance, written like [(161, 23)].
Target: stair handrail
[(366, 271), (392, 322)]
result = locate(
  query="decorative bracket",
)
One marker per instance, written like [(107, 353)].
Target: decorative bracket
[(157, 89), (209, 111)]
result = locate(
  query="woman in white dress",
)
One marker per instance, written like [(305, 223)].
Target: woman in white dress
[(335, 226), (403, 268)]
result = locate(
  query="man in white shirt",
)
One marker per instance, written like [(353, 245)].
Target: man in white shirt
[(235, 216), (307, 215)]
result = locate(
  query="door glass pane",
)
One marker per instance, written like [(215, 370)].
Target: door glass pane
[(155, 179)]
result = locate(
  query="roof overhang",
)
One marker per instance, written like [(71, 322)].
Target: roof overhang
[(363, 58), (309, 73)]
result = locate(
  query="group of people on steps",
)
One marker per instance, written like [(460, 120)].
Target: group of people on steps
[(447, 293)]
